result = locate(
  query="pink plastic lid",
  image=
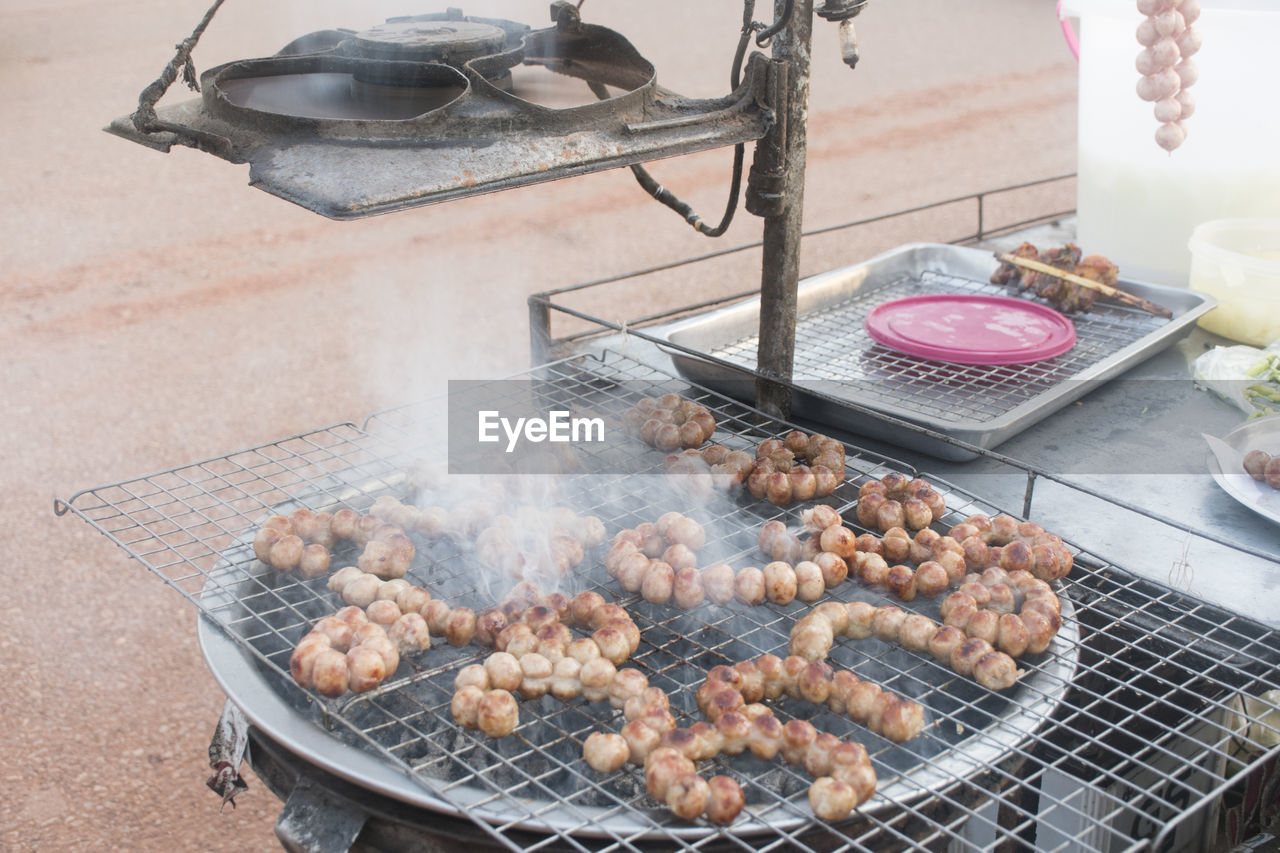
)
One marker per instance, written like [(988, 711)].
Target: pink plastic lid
[(965, 329)]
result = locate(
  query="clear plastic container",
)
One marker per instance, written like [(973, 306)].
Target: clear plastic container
[(1138, 204), (1238, 262)]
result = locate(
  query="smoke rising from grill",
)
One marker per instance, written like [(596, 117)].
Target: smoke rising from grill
[(462, 334), (548, 514)]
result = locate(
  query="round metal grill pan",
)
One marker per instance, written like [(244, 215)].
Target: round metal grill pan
[(400, 740)]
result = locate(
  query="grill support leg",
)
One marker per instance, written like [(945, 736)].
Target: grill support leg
[(540, 341), (315, 822), (777, 184)]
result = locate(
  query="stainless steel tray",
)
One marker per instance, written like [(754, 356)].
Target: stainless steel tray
[(835, 359)]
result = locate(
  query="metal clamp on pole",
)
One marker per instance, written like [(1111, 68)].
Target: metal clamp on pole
[(839, 10), (766, 182)]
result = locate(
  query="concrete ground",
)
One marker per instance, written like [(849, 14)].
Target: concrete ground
[(155, 310)]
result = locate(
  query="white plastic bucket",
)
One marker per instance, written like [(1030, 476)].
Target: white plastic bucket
[(1238, 261), (1138, 204)]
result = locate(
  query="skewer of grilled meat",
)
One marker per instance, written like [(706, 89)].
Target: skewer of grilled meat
[(1061, 294), (1082, 280)]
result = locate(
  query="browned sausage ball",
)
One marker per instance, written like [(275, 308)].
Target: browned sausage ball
[(1255, 464), (605, 752), (725, 801), (497, 713)]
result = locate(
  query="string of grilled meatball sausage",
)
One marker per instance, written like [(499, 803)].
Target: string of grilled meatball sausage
[(357, 649), (977, 543), (669, 422), (842, 771), (361, 589), (537, 653), (813, 636), (813, 680), (388, 616), (302, 541), (1014, 611), (484, 699), (827, 543), (844, 778), (659, 560), (1012, 545), (410, 616), (702, 473), (526, 543), (669, 753), (885, 562), (897, 500), (798, 467)]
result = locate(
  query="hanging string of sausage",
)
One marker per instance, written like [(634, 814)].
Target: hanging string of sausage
[(1168, 42)]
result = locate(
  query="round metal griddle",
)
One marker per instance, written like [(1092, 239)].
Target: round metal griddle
[(970, 730)]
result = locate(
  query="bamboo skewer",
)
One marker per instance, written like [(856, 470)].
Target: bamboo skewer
[(1090, 284)]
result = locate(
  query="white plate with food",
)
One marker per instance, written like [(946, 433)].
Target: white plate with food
[(1227, 464)]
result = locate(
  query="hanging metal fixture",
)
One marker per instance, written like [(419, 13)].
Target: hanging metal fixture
[(422, 109)]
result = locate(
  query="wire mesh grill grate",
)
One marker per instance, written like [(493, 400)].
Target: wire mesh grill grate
[(833, 348), (1135, 705)]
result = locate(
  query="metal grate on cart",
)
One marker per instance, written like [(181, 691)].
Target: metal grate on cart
[(1114, 694)]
